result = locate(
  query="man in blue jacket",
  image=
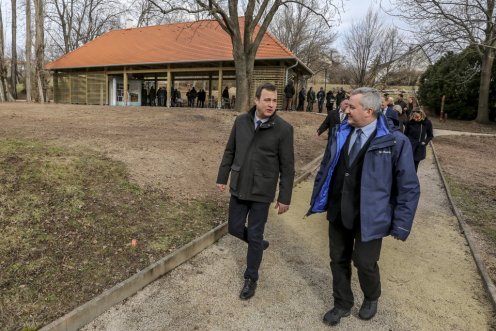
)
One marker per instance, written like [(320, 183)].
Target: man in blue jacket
[(368, 186)]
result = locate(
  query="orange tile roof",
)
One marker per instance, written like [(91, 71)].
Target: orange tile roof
[(199, 41)]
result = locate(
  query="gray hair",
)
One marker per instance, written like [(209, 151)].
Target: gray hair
[(398, 109), (371, 98)]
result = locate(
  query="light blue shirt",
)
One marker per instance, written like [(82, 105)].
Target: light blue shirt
[(256, 119), (367, 130)]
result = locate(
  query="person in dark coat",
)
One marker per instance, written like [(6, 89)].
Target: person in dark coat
[(301, 99), (419, 131), (152, 95), (399, 101), (192, 97), (310, 99), (329, 101), (144, 95), (289, 92), (259, 152), (402, 118), (411, 106), (161, 96), (225, 98), (331, 120), (340, 96), (368, 186), (320, 99), (201, 98)]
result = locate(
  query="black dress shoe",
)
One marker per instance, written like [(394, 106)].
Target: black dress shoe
[(368, 309), (265, 244), (248, 289), (333, 316)]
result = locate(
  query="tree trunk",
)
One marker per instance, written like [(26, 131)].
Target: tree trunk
[(27, 69), (4, 90), (13, 62), (486, 68), (244, 74), (39, 47)]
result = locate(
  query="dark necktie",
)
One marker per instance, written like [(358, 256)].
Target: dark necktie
[(258, 124), (355, 149)]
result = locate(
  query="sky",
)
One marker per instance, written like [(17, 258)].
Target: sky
[(354, 10)]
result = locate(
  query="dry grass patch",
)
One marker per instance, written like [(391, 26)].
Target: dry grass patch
[(67, 218)]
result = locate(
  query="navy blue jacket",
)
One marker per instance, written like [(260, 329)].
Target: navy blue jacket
[(390, 188)]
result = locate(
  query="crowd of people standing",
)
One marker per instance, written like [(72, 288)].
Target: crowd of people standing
[(153, 97)]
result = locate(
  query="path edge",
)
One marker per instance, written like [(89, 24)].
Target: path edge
[(467, 232), (89, 311)]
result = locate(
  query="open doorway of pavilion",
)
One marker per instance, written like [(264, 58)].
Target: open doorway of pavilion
[(186, 89)]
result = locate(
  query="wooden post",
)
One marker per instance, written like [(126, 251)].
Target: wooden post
[(70, 88), (125, 87), (169, 87), (441, 115), (219, 88), (209, 90), (107, 89), (86, 85)]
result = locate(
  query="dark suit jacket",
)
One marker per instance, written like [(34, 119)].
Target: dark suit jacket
[(257, 158), (329, 122)]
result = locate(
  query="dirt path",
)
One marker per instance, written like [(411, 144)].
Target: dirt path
[(430, 282)]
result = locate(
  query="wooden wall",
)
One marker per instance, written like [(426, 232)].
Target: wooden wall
[(80, 88), (274, 75)]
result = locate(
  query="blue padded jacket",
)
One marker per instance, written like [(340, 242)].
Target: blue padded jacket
[(390, 188)]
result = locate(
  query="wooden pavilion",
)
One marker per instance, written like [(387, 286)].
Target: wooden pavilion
[(114, 68)]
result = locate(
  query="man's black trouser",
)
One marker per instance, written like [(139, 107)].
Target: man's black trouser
[(345, 246), (257, 213)]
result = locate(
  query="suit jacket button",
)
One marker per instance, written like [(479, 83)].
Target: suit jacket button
[(346, 174)]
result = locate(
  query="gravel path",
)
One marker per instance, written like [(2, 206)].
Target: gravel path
[(429, 282), (440, 132)]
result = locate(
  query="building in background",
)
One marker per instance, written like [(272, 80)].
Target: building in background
[(114, 68)]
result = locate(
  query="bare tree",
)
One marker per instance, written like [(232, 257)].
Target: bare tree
[(76, 22), (144, 13), (246, 34), (29, 46), (39, 49), (303, 33), (364, 45), (392, 48), (453, 25), (13, 60), (5, 94)]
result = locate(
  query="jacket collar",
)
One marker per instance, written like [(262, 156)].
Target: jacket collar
[(266, 125)]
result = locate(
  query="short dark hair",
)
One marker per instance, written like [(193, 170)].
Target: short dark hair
[(400, 95), (265, 86)]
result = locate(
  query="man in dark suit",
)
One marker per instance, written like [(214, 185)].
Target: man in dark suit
[(258, 153), (333, 118), (368, 186)]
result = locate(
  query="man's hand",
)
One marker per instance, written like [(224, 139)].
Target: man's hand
[(282, 208), (221, 187)]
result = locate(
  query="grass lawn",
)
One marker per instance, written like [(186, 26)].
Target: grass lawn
[(68, 217), (458, 125), (469, 165)]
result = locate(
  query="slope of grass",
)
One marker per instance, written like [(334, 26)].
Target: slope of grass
[(67, 219)]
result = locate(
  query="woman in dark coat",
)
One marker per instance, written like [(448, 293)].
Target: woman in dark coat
[(419, 131)]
